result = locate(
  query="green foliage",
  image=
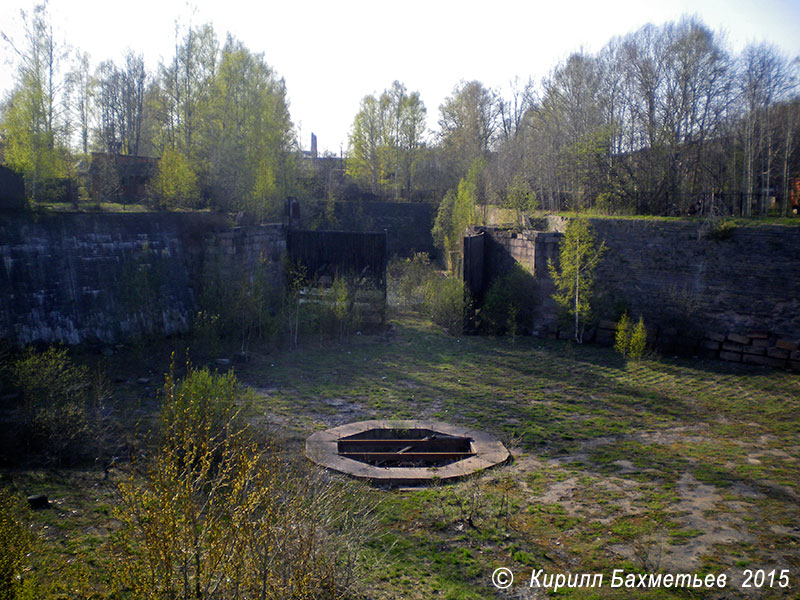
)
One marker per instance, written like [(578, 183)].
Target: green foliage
[(613, 202), (56, 409), (457, 213), (468, 118), (720, 230), (638, 345), (442, 231), (622, 337), (29, 148), (407, 280), (343, 305), (415, 283), (586, 161), (386, 140), (249, 134), (201, 404), (574, 278), (520, 197), (368, 162), (447, 303), (175, 183), (217, 515), (240, 306), (509, 305), (15, 544), (34, 143)]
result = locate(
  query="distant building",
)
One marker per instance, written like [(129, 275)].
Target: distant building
[(311, 154), (120, 177), (12, 189)]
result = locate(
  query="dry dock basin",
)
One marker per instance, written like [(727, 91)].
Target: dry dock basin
[(395, 452)]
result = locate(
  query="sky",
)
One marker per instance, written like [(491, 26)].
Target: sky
[(331, 54)]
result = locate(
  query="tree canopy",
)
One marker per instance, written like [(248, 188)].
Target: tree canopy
[(662, 120)]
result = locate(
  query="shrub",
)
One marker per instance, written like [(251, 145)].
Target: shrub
[(240, 306), (215, 514), (175, 182), (56, 404), (638, 344), (622, 338), (414, 283), (719, 230), (631, 340), (407, 279), (344, 309), (447, 303), (202, 402)]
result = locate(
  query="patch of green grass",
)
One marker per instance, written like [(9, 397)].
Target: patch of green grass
[(572, 413), (682, 536)]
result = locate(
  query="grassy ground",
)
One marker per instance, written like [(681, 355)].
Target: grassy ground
[(678, 466), (755, 221), (101, 207)]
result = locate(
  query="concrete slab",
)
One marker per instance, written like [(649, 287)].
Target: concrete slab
[(322, 448)]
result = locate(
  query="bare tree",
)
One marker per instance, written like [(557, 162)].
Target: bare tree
[(120, 100), (80, 86)]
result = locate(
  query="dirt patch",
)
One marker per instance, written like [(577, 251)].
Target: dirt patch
[(705, 519)]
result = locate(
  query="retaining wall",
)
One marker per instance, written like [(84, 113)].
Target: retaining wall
[(104, 277), (736, 298)]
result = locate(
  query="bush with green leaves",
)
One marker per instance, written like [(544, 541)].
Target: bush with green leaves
[(574, 276), (240, 306), (509, 306), (175, 182), (638, 346), (408, 278), (631, 340), (622, 337), (447, 302), (59, 418), (217, 514)]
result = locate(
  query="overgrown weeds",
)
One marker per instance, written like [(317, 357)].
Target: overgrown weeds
[(416, 284)]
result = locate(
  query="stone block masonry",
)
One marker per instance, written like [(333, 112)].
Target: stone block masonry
[(737, 299), (746, 287), (105, 277)]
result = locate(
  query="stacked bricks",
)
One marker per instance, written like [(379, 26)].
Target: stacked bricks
[(754, 348)]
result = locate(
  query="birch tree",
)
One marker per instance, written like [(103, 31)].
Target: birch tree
[(578, 258), (32, 119)]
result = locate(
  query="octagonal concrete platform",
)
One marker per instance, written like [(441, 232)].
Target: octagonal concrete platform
[(322, 448)]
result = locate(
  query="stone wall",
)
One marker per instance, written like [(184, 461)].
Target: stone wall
[(240, 251), (734, 296), (101, 277)]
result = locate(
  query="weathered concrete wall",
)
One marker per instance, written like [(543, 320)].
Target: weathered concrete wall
[(697, 294), (407, 224), (94, 277)]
